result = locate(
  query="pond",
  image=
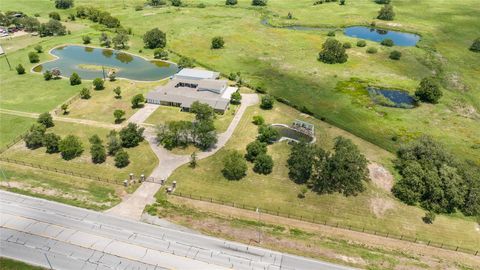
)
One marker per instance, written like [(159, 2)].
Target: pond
[(377, 35), (392, 98), (88, 63), (287, 133)]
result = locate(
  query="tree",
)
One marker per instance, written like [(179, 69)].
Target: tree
[(267, 134), (54, 15), (34, 138), (64, 108), (386, 13), (63, 4), (383, 2), (85, 93), (137, 100), (263, 164), (46, 120), (204, 134), (30, 24), (475, 47), (342, 2), (75, 79), (234, 166), (300, 162), (267, 102), (120, 40), (230, 2), (47, 75), (118, 114), (470, 174), (86, 39), (38, 48), (20, 69), (113, 143), (51, 28), (429, 91), (131, 135), (254, 149), (202, 111), (33, 57), (98, 84), (193, 160), (259, 2), (387, 42), (118, 92), (121, 159), (157, 2), (236, 98), (51, 142), (185, 62), (217, 42), (155, 39), (104, 40), (332, 52), (160, 53), (70, 147), (176, 3), (56, 73), (97, 150), (258, 120), (361, 43), (112, 76), (395, 55)]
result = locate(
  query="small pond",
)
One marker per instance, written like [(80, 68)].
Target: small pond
[(88, 63), (287, 133), (377, 35), (392, 98)]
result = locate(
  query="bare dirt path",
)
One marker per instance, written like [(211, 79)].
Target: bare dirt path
[(132, 207)]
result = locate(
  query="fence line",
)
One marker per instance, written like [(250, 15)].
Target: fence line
[(13, 142), (320, 221), (69, 101), (61, 171)]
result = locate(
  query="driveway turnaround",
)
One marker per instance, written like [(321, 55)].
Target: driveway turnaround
[(58, 236)]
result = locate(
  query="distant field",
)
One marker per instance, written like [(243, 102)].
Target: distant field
[(12, 126)]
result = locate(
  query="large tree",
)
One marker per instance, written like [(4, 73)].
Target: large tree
[(300, 162), (52, 28), (51, 142), (429, 91), (34, 137), (155, 39), (332, 52), (234, 166), (46, 120), (131, 135), (202, 111), (70, 147)]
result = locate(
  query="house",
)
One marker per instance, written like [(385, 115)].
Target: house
[(190, 85)]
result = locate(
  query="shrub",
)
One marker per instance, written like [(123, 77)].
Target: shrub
[(47, 75), (33, 57), (331, 33), (383, 2), (121, 159), (70, 147), (160, 53), (267, 102), (386, 13), (372, 50), (98, 84), (54, 15), (333, 52), (201, 5), (217, 43), (118, 115), (429, 217), (186, 62), (429, 91), (86, 39), (75, 79), (231, 2), (46, 120), (118, 92), (51, 142), (255, 149), (258, 120), (395, 55), (138, 7), (263, 164), (34, 137), (85, 93), (236, 98), (361, 43), (347, 45), (38, 48), (387, 42), (234, 166), (475, 47), (259, 2), (63, 4), (303, 192), (155, 39), (20, 69), (176, 3)]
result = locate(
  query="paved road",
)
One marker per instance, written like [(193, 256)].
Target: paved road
[(58, 236)]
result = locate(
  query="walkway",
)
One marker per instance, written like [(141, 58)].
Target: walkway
[(133, 206)]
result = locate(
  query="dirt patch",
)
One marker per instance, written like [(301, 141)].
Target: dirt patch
[(352, 260), (380, 176), (394, 24), (380, 206)]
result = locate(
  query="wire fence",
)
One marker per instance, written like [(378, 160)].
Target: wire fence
[(12, 143), (325, 222), (59, 111)]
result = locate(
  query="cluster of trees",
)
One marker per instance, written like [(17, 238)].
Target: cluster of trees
[(332, 52), (52, 28), (434, 179), (29, 24), (344, 170), (63, 4), (257, 153), (98, 16), (200, 132)]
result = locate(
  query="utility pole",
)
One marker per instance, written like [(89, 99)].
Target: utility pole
[(259, 228)]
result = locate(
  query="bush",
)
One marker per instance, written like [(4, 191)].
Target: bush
[(54, 16), (86, 39), (475, 47), (259, 2), (429, 91), (121, 159), (331, 33), (20, 69), (254, 149), (217, 43), (372, 50), (63, 4), (51, 142), (387, 42), (231, 2), (118, 115), (386, 13), (361, 43), (46, 120), (118, 92), (332, 52), (267, 102), (186, 62), (429, 217), (234, 166), (98, 84), (38, 48), (263, 164), (395, 55), (176, 3), (155, 39), (383, 2), (85, 93), (347, 45), (138, 7), (33, 57), (258, 120), (47, 75), (70, 147), (160, 53), (75, 79)]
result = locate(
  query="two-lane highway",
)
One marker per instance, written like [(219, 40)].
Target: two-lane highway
[(59, 236)]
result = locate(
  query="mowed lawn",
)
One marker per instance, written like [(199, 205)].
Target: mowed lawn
[(12, 126), (142, 159), (376, 209)]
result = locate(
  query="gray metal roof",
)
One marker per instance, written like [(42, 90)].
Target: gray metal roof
[(197, 74)]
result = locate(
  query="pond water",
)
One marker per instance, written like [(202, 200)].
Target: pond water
[(377, 35), (392, 98), (88, 62), (289, 133)]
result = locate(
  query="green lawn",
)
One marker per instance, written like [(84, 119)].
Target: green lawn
[(9, 264), (12, 126), (277, 193), (142, 159)]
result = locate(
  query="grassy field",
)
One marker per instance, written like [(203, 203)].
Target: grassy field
[(9, 264), (12, 126), (375, 208), (142, 159)]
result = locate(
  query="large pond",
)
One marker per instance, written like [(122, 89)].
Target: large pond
[(90, 63), (392, 98), (377, 35), (291, 134)]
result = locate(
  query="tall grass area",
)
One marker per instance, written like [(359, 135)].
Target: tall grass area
[(12, 126)]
